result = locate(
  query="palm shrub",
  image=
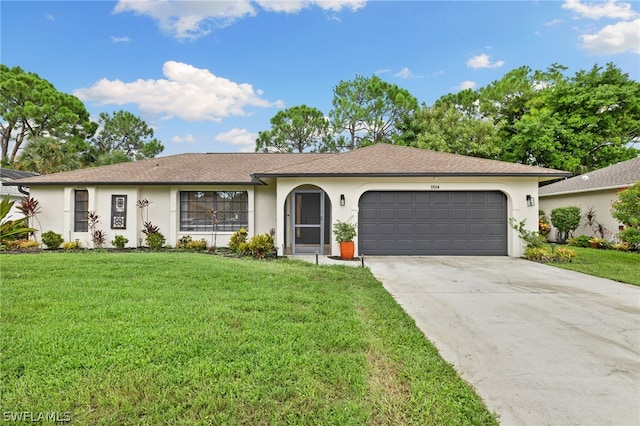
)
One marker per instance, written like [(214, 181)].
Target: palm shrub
[(565, 220), (10, 228), (52, 240)]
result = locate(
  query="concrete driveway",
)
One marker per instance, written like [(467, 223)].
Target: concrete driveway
[(541, 345)]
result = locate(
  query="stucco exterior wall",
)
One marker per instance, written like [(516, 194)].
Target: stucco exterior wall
[(599, 201), (266, 205), (516, 189)]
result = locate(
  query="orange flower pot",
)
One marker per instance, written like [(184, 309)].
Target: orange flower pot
[(347, 249)]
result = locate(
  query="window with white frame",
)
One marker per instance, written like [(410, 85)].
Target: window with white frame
[(206, 211)]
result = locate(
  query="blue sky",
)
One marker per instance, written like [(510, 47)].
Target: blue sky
[(208, 75)]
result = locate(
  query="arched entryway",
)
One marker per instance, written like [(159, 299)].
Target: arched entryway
[(308, 221)]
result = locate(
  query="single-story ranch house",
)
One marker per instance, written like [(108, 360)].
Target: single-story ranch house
[(405, 201), (595, 191)]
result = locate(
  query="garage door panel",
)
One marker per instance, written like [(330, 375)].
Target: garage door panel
[(367, 213), (385, 213), (433, 223), (404, 213), (457, 213), (405, 229)]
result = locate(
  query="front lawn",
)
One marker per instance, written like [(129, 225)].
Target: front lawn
[(614, 265), (184, 338)]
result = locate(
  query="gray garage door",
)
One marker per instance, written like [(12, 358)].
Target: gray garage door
[(433, 223)]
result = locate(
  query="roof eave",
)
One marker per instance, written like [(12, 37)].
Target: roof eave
[(430, 174), (578, 191), (129, 183)]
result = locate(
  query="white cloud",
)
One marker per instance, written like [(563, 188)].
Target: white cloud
[(189, 20), (466, 85), (188, 93), (483, 61), (294, 6), (609, 9), (115, 39), (406, 73), (239, 137), (615, 38), (188, 138), (50, 17), (552, 22)]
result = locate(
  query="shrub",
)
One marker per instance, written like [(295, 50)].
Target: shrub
[(244, 248), (565, 220), (21, 244), (532, 238), (183, 241), (238, 239), (544, 227), (119, 241), (579, 241), (52, 240), (71, 245), (538, 254), (622, 246), (155, 241), (631, 236), (563, 254), (196, 245), (261, 246)]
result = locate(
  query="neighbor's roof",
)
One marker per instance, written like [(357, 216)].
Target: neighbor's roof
[(10, 174), (249, 168), (616, 176), (6, 176)]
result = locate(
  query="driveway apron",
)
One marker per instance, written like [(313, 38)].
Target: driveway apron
[(541, 345)]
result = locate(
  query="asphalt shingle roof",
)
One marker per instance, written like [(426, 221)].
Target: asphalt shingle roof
[(618, 175), (247, 168)]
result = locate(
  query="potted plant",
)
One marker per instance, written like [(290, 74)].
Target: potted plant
[(596, 242), (345, 232)]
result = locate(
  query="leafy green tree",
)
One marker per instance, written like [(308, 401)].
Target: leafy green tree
[(545, 118), (445, 128), (123, 133), (297, 129), (368, 110), (626, 208), (31, 107)]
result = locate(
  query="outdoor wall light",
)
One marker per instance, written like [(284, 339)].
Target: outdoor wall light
[(531, 201), (342, 202)]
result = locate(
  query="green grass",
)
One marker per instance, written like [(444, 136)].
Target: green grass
[(614, 265), (183, 338)]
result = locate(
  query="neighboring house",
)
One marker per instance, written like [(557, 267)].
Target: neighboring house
[(593, 191), (15, 193), (406, 201)]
